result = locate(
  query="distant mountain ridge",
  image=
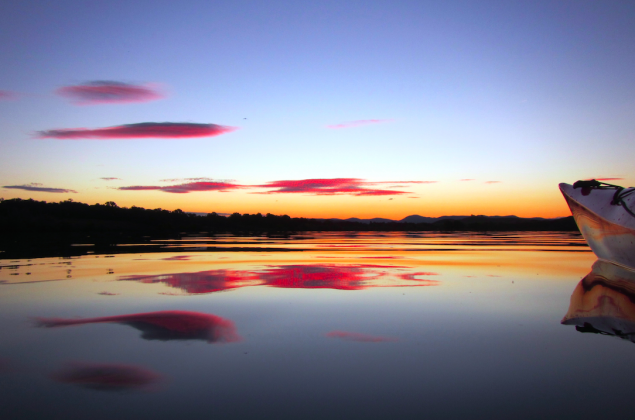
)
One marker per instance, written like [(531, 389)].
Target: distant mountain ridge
[(415, 218)]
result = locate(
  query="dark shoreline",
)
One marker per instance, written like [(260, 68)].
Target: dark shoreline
[(31, 229), (37, 217)]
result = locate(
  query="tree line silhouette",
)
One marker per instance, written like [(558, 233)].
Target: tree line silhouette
[(18, 216)]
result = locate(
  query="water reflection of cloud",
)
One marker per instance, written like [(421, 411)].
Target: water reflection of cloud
[(202, 281), (315, 276), (163, 325), (106, 377), (364, 338)]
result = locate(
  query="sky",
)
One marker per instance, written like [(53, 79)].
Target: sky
[(316, 109)]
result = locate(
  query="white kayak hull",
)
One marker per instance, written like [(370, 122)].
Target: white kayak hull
[(608, 228)]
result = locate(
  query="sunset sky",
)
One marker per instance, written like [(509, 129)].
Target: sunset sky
[(316, 109)]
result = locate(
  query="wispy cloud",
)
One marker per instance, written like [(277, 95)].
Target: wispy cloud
[(326, 186), (109, 178), (351, 124), (608, 179), (332, 186), (493, 182), (5, 95), (467, 179), (164, 130), (196, 179), (109, 92), (37, 187), (186, 188)]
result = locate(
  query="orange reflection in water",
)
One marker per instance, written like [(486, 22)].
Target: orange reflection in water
[(315, 276), (106, 377), (163, 325)]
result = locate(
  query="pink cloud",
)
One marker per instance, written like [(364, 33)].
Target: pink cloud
[(186, 188), (196, 179), (7, 95), (36, 187), (353, 336), (608, 179), (357, 123), (109, 92), (492, 182), (331, 186), (327, 186), (165, 130), (109, 178), (467, 179)]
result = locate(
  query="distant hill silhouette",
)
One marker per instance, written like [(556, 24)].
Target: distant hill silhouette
[(415, 218)]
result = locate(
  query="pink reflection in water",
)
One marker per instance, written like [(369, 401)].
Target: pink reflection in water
[(163, 325), (353, 336), (325, 276), (106, 377), (203, 281), (315, 276)]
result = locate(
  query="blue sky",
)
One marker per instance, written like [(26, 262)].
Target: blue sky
[(528, 93)]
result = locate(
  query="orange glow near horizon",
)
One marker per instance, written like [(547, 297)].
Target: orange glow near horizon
[(431, 200)]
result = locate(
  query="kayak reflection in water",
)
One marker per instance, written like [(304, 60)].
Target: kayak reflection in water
[(106, 377), (163, 325), (604, 302)]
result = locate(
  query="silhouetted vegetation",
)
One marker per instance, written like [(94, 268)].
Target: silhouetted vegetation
[(31, 229), (30, 216)]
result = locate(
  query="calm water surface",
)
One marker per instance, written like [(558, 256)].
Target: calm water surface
[(346, 325)]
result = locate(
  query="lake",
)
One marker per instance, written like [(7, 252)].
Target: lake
[(319, 325)]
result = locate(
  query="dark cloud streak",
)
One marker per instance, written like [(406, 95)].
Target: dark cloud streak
[(34, 187), (109, 92), (186, 188), (164, 130)]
